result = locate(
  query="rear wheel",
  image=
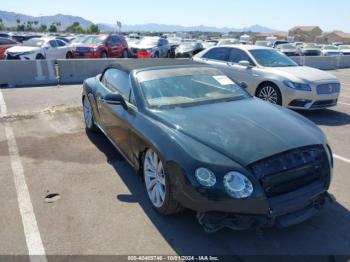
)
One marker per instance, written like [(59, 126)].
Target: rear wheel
[(104, 54), (156, 55), (157, 185), (88, 116), (125, 54), (69, 55), (39, 57), (270, 92)]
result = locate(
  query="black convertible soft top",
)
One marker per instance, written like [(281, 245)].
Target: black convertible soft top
[(128, 65)]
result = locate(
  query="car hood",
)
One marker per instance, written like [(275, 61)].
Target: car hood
[(138, 46), (245, 130), (22, 49), (302, 73)]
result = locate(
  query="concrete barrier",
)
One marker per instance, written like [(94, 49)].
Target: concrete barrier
[(344, 61), (77, 70), (27, 73), (323, 62)]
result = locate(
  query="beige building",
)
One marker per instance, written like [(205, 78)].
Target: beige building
[(336, 36), (278, 35), (305, 33)]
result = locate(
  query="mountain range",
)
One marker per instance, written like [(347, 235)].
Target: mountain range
[(10, 19)]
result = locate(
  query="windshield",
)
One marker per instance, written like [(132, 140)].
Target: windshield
[(149, 41), (34, 42), (94, 39), (262, 43), (187, 87), (272, 58), (331, 47)]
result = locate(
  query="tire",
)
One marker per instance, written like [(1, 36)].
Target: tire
[(125, 54), (69, 55), (269, 92), (39, 57), (168, 54), (104, 54), (157, 185), (88, 116), (156, 55)]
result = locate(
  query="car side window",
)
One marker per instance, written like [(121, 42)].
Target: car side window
[(6, 42), (60, 43), (117, 81), (53, 43), (237, 55), (219, 53)]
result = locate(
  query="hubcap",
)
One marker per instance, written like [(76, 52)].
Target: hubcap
[(154, 178), (87, 113), (269, 94)]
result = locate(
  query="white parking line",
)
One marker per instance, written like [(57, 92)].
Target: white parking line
[(35, 246), (342, 158)]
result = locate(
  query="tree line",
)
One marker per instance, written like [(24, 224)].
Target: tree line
[(35, 26)]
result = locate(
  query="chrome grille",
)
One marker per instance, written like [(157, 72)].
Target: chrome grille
[(331, 88)]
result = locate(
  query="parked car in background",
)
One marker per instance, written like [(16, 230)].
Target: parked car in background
[(263, 43), (188, 49), (151, 47), (344, 49), (288, 49), (311, 49), (228, 41), (210, 43), (274, 77), (174, 42), (201, 142), (279, 42), (6, 43), (102, 46), (330, 50), (39, 48)]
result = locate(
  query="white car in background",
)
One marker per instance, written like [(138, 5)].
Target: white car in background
[(40, 48), (330, 50), (344, 49), (274, 77)]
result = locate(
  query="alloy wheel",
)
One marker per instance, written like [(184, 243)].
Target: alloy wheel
[(154, 178), (269, 94), (88, 114)]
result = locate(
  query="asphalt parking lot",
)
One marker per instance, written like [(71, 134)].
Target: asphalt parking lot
[(103, 208)]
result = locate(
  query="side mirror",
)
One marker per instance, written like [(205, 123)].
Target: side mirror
[(244, 63), (115, 99), (244, 85)]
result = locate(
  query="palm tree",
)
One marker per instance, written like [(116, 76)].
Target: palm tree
[(0, 20), (18, 21)]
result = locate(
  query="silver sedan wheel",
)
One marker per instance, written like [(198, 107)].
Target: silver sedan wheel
[(269, 94), (154, 178), (88, 114)]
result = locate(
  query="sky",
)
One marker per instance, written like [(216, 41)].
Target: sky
[(275, 14)]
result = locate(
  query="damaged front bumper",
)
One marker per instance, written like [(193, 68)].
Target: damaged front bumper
[(214, 221)]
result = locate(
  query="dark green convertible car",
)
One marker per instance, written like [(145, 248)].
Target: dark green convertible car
[(202, 142)]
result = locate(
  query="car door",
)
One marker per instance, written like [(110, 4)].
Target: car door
[(5, 44), (51, 50), (114, 118), (62, 49), (217, 57)]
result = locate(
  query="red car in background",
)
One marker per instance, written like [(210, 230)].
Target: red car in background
[(102, 46), (5, 44)]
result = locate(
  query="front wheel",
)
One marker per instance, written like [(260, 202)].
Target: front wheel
[(158, 186), (270, 92), (125, 54), (88, 116)]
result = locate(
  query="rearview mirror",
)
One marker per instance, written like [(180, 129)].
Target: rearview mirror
[(115, 99), (244, 63)]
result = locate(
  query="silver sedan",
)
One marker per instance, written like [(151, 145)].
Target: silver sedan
[(274, 77)]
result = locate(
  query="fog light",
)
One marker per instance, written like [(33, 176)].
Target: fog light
[(238, 185), (205, 177)]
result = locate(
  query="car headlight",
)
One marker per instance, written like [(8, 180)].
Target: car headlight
[(205, 177), (297, 86), (238, 185)]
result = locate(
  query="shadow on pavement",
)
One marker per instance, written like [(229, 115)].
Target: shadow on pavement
[(327, 117), (326, 235)]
